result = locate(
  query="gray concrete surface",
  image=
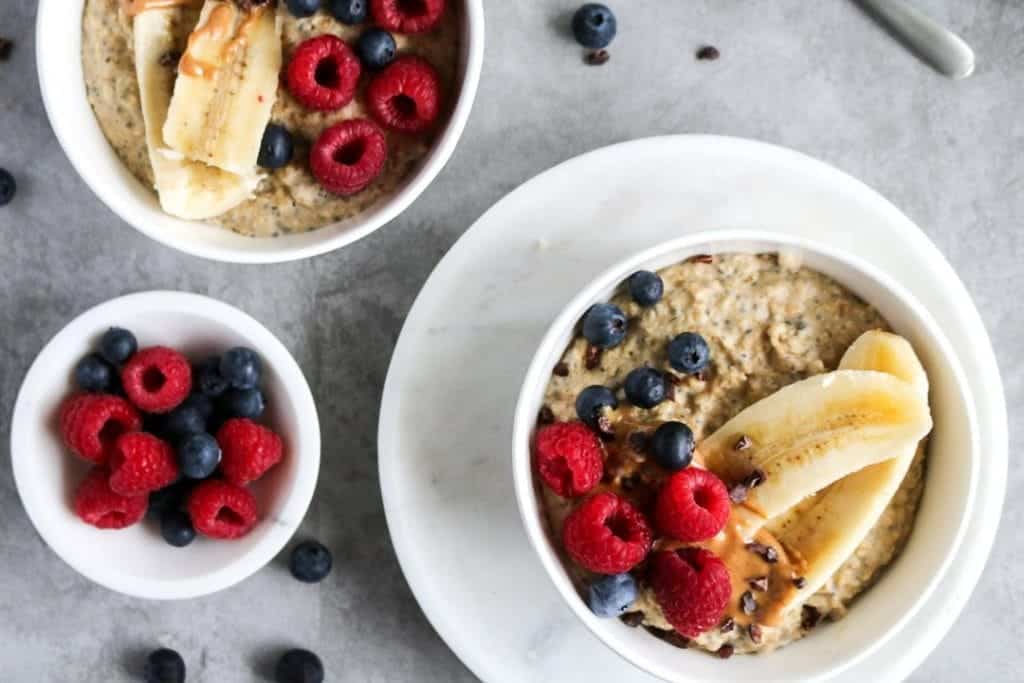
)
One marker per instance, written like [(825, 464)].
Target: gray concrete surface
[(816, 76)]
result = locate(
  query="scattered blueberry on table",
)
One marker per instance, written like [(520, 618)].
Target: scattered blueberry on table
[(594, 25), (311, 562), (165, 666), (8, 187), (299, 666)]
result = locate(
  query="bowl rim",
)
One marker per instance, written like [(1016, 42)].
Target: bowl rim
[(125, 201), (524, 421), (296, 501)]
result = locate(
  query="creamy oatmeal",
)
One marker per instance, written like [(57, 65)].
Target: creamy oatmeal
[(290, 199), (768, 325)]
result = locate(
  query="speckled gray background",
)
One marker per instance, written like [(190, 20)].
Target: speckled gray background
[(816, 76)]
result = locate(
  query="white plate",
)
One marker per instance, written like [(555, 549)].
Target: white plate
[(446, 418)]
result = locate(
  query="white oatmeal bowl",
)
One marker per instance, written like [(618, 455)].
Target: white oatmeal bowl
[(950, 476), (136, 560), (59, 57)]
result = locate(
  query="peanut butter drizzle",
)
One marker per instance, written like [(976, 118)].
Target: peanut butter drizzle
[(629, 474), (218, 26), (134, 7)]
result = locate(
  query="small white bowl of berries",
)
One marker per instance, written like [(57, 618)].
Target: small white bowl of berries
[(165, 445)]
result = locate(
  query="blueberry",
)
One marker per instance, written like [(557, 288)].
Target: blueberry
[(611, 596), (645, 387), (311, 562), (593, 25), (190, 417), (94, 374), (646, 287), (198, 456), (671, 446), (376, 48), (176, 528), (276, 147), (242, 403), (303, 8), (349, 11), (170, 497), (7, 187), (688, 353), (208, 379), (299, 666), (118, 345), (165, 666), (591, 401), (604, 325), (240, 367)]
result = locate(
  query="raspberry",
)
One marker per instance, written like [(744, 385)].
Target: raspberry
[(693, 588), (323, 73), (141, 463), (569, 458), (97, 504), (606, 534), (157, 379), (406, 95), (248, 450), (222, 510), (407, 16), (348, 156), (91, 423), (693, 505)]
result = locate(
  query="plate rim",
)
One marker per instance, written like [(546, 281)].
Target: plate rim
[(988, 508)]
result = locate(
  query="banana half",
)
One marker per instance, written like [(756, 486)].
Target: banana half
[(829, 526), (226, 86), (834, 449), (187, 189)]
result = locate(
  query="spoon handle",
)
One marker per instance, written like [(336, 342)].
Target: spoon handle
[(934, 43)]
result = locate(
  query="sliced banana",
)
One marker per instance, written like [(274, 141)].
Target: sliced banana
[(826, 529), (889, 353), (226, 86), (187, 189), (813, 433)]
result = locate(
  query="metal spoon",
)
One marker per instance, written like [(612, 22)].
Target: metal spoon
[(933, 43)]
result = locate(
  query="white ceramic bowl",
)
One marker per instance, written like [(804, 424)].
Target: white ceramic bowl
[(949, 491), (59, 60), (136, 560)]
